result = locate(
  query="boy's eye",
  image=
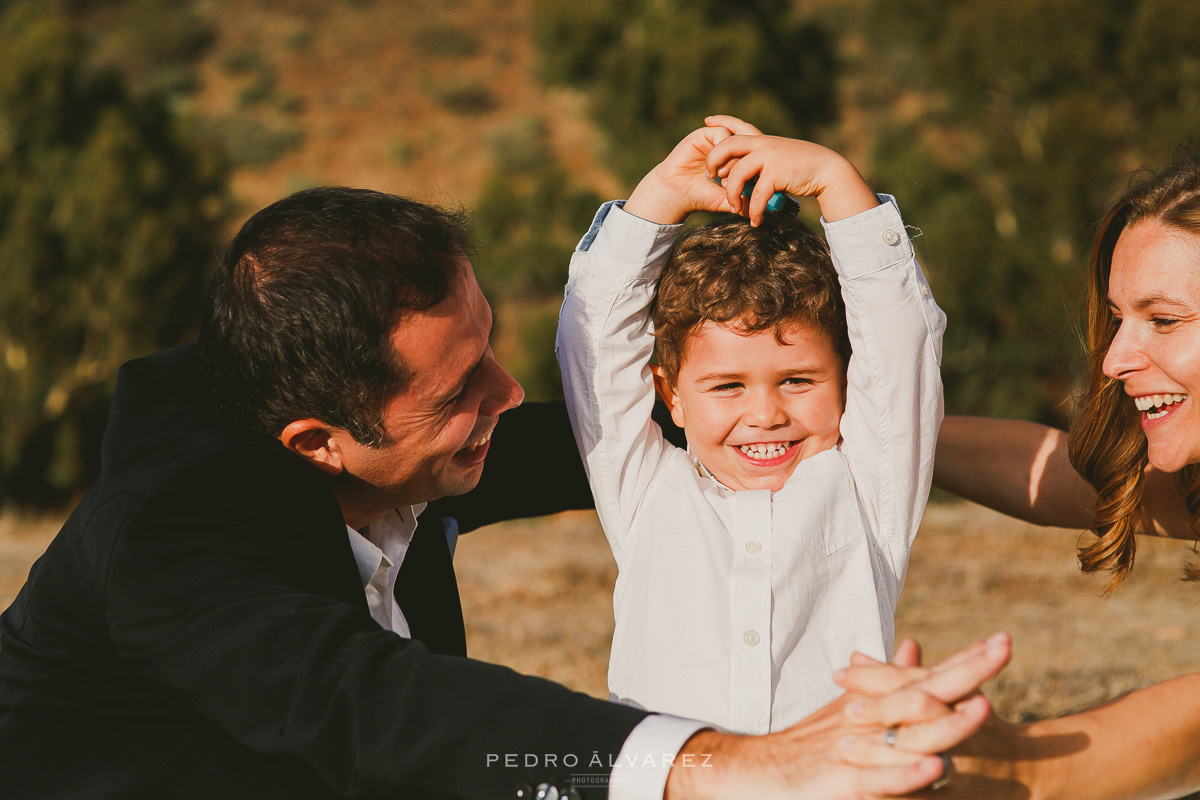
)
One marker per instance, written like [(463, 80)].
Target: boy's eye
[(725, 387), (797, 381)]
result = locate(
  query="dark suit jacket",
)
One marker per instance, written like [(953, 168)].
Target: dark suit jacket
[(198, 629)]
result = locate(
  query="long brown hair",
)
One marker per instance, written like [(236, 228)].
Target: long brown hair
[(1107, 445)]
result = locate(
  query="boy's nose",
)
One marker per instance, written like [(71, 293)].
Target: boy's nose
[(765, 411)]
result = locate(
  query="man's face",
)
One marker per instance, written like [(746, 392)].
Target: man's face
[(753, 407), (440, 425)]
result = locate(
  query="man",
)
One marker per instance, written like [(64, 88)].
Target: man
[(220, 616)]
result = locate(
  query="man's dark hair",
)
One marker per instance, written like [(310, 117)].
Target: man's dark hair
[(298, 318)]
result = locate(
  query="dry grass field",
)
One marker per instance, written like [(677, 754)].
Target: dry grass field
[(536, 595)]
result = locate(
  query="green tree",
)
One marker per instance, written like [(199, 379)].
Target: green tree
[(108, 216), (528, 217), (655, 70), (1010, 128)]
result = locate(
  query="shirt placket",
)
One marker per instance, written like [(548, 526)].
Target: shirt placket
[(751, 673)]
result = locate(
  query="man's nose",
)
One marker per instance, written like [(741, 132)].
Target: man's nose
[(503, 391)]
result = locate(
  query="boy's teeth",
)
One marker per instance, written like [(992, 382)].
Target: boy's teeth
[(765, 451), (1156, 401)]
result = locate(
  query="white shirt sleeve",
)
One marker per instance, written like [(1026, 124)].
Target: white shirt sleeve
[(604, 345), (646, 758), (894, 388)]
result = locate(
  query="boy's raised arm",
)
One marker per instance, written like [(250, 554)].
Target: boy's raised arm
[(604, 335)]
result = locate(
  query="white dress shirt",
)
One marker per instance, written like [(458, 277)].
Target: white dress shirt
[(736, 607), (379, 551)]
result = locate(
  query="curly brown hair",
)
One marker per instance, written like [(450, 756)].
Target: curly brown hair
[(769, 276), (1107, 445)]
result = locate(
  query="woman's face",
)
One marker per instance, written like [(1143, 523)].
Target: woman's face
[(1154, 293)]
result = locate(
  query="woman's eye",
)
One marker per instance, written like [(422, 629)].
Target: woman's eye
[(1164, 322)]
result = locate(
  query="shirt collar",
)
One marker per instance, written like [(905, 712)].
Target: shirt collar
[(367, 553), (705, 472), (367, 557)]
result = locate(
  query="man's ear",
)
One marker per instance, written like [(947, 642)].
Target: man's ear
[(315, 442), (667, 392)]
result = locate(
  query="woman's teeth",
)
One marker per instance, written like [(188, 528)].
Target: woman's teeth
[(471, 448), (1155, 406), (765, 451)]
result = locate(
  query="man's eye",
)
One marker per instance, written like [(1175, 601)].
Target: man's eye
[(453, 401), (1164, 322)]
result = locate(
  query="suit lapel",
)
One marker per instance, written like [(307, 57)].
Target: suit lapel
[(427, 592)]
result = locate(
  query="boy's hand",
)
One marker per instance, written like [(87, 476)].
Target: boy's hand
[(679, 185), (783, 165)]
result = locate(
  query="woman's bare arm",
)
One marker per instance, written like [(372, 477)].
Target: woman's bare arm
[(1015, 467), (1143, 745), (1021, 469)]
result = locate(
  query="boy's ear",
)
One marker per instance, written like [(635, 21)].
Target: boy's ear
[(315, 442), (667, 392)]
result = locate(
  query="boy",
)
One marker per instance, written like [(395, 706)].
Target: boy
[(753, 564)]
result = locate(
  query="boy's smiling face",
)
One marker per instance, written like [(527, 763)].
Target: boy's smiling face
[(754, 407)]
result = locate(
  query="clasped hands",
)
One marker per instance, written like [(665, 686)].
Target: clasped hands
[(922, 710), (842, 750)]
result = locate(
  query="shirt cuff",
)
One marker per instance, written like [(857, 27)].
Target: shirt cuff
[(870, 240), (646, 758), (627, 244)]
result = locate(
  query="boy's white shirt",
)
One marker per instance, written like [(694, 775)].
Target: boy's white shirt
[(736, 607)]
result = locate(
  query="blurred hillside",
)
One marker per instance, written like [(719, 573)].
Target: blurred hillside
[(1003, 129)]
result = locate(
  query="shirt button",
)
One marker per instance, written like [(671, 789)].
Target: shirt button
[(753, 547), (925, 289), (891, 237), (751, 638)]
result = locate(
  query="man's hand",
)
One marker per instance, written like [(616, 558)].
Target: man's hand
[(840, 751), (784, 165)]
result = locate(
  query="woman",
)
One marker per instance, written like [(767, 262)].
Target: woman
[(1136, 441)]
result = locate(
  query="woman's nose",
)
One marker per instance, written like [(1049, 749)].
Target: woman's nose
[(1125, 353)]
